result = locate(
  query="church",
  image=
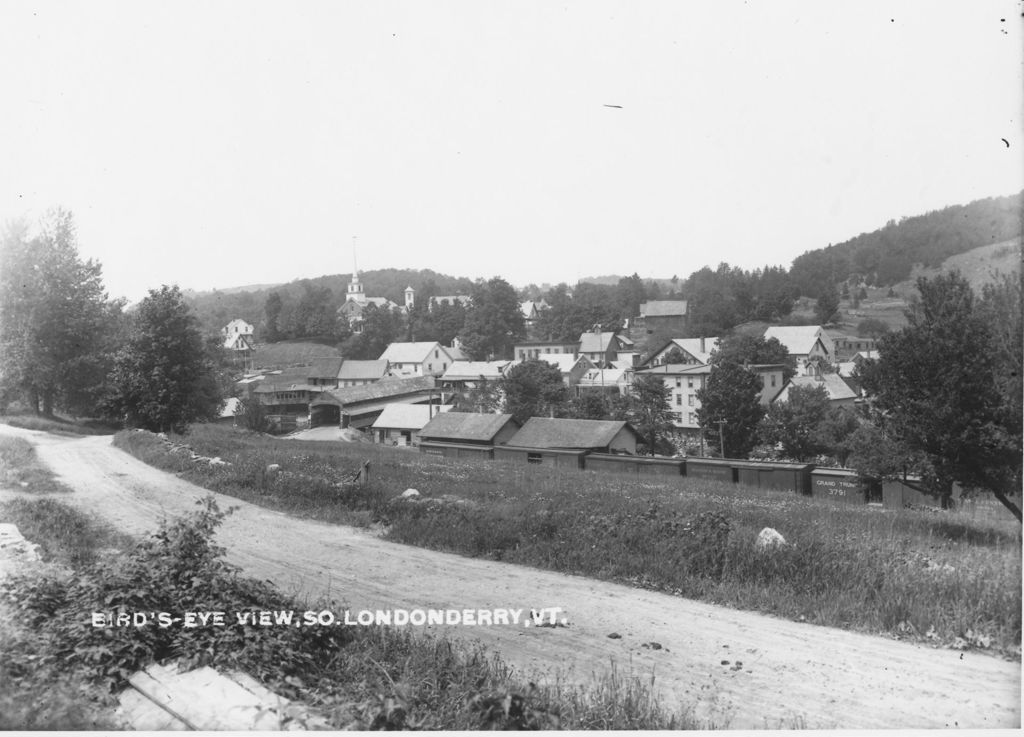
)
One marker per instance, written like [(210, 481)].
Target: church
[(356, 301)]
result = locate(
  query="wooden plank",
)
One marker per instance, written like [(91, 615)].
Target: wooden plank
[(141, 714), (204, 700)]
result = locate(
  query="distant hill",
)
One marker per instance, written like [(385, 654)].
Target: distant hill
[(887, 256), (217, 308)]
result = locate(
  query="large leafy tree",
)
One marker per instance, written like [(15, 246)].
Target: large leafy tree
[(650, 411), (534, 389), (381, 326), (731, 395), (494, 321), (796, 424), (939, 389), (754, 349), (166, 376), (54, 317)]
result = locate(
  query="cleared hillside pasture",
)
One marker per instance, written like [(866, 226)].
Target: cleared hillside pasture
[(291, 353), (947, 578)]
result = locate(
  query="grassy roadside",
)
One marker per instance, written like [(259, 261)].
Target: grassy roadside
[(59, 425), (61, 670), (944, 579), (21, 470)]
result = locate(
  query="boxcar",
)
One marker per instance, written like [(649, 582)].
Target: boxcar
[(457, 450), (716, 469), (838, 484), (540, 456)]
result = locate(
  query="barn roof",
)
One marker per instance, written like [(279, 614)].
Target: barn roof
[(411, 352), (382, 389), (407, 416), (352, 369), (543, 432), (458, 426)]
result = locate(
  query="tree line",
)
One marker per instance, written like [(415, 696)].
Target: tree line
[(68, 348), (886, 256), (943, 401)]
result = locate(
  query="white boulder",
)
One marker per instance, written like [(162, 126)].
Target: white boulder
[(410, 494), (769, 538)]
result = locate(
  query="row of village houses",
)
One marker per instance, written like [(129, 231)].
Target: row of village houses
[(395, 396)]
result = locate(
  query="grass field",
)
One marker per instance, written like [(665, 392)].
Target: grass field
[(945, 578)]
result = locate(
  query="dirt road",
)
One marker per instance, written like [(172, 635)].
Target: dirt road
[(791, 675)]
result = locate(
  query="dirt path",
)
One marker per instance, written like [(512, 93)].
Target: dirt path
[(791, 675)]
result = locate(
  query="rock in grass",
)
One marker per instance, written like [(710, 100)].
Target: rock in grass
[(768, 539), (410, 494)]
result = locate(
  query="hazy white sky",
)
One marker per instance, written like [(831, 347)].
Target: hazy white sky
[(227, 143)]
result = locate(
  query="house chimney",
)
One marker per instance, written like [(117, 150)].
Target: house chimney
[(702, 344)]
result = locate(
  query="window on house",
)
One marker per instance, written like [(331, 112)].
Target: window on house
[(693, 418), (690, 400), (679, 400), (436, 354), (677, 416), (689, 383), (773, 379), (534, 458), (444, 366), (679, 383)]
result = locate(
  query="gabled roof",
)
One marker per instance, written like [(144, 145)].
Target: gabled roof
[(799, 340), (692, 346), (564, 362), (663, 308), (408, 416), (837, 389), (377, 390), (325, 368), (470, 370), (598, 342), (542, 432), (353, 370), (676, 369), (460, 426), (457, 354), (411, 352), (599, 377), (238, 342), (451, 299)]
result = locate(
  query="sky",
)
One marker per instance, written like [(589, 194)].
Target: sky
[(216, 144)]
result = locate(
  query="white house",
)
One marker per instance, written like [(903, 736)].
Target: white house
[(424, 358), (695, 351), (803, 343), (237, 327), (400, 424)]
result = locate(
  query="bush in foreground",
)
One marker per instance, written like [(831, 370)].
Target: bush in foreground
[(363, 678)]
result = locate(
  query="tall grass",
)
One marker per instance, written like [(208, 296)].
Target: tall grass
[(945, 578)]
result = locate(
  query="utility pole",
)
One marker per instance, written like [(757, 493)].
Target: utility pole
[(721, 436)]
